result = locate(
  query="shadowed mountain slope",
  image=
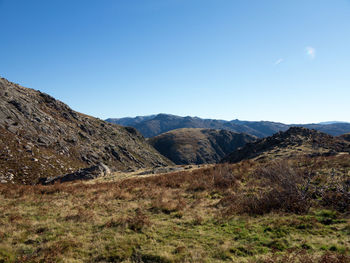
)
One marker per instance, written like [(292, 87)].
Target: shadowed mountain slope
[(154, 125), (291, 143), (41, 136), (198, 146), (345, 137), (158, 124)]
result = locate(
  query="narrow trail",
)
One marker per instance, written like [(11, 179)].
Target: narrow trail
[(147, 172)]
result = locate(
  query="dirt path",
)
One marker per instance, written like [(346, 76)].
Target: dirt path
[(147, 172)]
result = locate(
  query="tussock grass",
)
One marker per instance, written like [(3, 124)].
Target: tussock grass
[(216, 214)]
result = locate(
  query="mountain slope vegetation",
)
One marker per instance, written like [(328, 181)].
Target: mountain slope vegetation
[(41, 136), (198, 146), (288, 211), (157, 124), (296, 141), (345, 137)]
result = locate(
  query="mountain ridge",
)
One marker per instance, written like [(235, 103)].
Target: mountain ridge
[(41, 136), (296, 141), (154, 125)]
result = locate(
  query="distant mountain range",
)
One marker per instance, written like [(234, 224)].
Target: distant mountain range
[(153, 125), (332, 122)]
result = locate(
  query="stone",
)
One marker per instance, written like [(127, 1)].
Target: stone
[(89, 173), (35, 125)]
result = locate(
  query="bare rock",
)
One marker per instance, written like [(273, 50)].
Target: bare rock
[(82, 174), (48, 137)]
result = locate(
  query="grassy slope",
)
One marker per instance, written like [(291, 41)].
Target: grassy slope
[(296, 141), (179, 217), (197, 145)]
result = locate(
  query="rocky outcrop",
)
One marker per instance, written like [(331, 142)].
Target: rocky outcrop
[(345, 137), (89, 173), (42, 137), (295, 141), (198, 146)]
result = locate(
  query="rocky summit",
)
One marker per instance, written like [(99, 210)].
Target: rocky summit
[(296, 141), (42, 137), (198, 146)]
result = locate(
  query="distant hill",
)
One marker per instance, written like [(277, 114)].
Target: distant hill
[(331, 122), (334, 129), (154, 125), (291, 143), (128, 121), (41, 136), (198, 146), (165, 122)]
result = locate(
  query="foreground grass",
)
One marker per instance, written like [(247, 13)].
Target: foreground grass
[(178, 217)]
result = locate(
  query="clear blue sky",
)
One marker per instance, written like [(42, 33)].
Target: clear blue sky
[(275, 60)]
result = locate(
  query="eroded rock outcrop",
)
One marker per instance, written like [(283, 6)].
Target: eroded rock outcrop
[(89, 173), (296, 141), (42, 137)]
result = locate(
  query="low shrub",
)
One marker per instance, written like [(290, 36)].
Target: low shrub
[(136, 222), (280, 187)]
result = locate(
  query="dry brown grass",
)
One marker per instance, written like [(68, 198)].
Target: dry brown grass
[(182, 214), (302, 256), (278, 187)]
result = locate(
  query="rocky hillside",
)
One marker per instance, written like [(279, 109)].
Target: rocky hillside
[(154, 125), (345, 137), (41, 136), (198, 146), (291, 143)]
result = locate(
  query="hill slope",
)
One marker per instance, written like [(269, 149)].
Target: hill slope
[(345, 137), (41, 136), (293, 142), (198, 146), (154, 125)]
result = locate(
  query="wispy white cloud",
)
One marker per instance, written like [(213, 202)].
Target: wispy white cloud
[(279, 61), (311, 52)]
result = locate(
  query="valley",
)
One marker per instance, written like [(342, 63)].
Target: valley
[(173, 131), (75, 188)]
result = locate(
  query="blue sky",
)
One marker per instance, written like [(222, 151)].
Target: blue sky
[(286, 61)]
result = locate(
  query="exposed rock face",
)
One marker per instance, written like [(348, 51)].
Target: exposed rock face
[(198, 146), (293, 142), (41, 137), (154, 125), (82, 174)]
